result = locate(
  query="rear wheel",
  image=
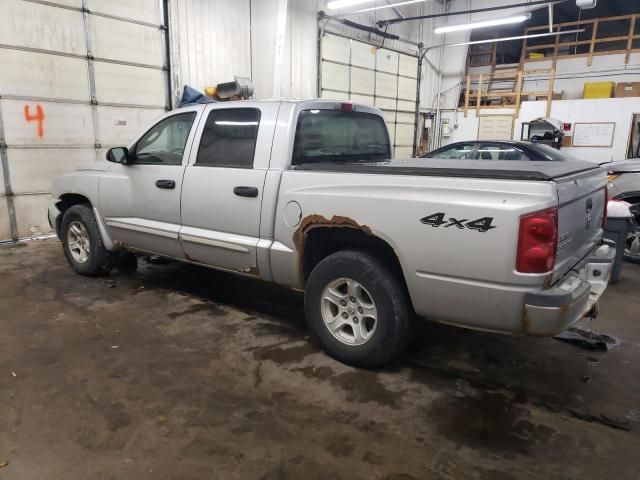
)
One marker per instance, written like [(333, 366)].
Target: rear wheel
[(357, 310), (82, 242), (632, 245)]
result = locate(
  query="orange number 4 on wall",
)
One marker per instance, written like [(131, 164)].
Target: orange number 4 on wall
[(38, 117)]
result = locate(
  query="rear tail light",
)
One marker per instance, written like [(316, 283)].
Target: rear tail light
[(537, 242), (346, 107), (606, 205)]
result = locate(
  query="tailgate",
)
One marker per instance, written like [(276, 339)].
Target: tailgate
[(581, 205)]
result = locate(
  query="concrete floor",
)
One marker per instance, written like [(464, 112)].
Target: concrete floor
[(179, 372)]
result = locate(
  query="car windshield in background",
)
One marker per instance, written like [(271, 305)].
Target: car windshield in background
[(337, 136)]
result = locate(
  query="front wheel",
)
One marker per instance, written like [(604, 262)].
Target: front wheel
[(82, 242), (357, 309)]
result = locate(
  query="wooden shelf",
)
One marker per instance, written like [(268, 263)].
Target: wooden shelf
[(593, 25)]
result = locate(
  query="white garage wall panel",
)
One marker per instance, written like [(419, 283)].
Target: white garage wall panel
[(354, 70), (210, 42), (61, 105)]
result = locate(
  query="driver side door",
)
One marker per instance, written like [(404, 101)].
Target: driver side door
[(140, 201)]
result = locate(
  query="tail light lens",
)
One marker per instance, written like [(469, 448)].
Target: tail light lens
[(538, 242), (606, 205)]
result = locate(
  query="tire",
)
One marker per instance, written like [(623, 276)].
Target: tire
[(359, 339), (83, 247), (631, 252), (632, 243)]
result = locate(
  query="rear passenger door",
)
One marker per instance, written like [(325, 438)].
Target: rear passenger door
[(224, 183)]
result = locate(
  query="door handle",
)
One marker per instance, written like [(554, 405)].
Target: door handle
[(167, 184), (246, 191)]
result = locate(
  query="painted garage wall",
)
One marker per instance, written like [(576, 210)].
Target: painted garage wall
[(213, 40), (70, 87), (617, 110), (572, 73), (210, 42)]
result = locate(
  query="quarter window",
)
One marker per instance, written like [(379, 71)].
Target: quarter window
[(229, 138), (164, 143)]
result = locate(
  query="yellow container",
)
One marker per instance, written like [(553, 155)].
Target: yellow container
[(598, 89), (534, 55)]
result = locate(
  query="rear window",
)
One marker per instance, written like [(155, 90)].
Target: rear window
[(337, 136), (549, 153)]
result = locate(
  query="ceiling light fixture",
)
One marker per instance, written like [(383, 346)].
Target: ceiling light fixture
[(345, 3), (391, 5), (505, 39), (487, 23)]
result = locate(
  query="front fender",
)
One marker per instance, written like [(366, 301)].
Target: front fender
[(84, 183)]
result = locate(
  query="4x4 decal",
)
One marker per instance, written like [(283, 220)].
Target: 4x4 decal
[(438, 220)]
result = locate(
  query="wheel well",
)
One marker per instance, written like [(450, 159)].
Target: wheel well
[(68, 200), (321, 242), (629, 197)]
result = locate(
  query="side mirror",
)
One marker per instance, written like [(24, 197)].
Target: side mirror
[(118, 155)]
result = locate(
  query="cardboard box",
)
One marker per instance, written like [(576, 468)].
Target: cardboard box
[(598, 89), (628, 89), (555, 96)]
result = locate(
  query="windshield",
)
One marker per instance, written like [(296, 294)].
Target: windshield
[(337, 136)]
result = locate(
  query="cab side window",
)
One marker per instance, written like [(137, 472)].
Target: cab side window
[(164, 143), (229, 138)]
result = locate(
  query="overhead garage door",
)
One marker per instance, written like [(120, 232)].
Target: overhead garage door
[(76, 77), (357, 71)]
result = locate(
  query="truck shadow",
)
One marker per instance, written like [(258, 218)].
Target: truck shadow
[(543, 372)]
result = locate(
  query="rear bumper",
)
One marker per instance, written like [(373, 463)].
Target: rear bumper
[(551, 311)]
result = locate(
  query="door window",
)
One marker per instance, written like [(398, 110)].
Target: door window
[(496, 151), (459, 151), (229, 138), (164, 144)]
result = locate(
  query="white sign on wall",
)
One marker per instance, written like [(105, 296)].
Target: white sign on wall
[(593, 134), (495, 127)]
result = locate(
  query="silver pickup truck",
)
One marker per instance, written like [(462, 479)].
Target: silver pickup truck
[(305, 194)]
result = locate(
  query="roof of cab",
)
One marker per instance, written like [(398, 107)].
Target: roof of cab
[(295, 101)]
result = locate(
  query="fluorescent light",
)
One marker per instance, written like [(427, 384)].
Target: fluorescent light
[(520, 37), (505, 39), (346, 3), (484, 24), (240, 124), (391, 5)]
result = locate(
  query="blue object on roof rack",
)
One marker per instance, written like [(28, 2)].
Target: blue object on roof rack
[(191, 96)]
